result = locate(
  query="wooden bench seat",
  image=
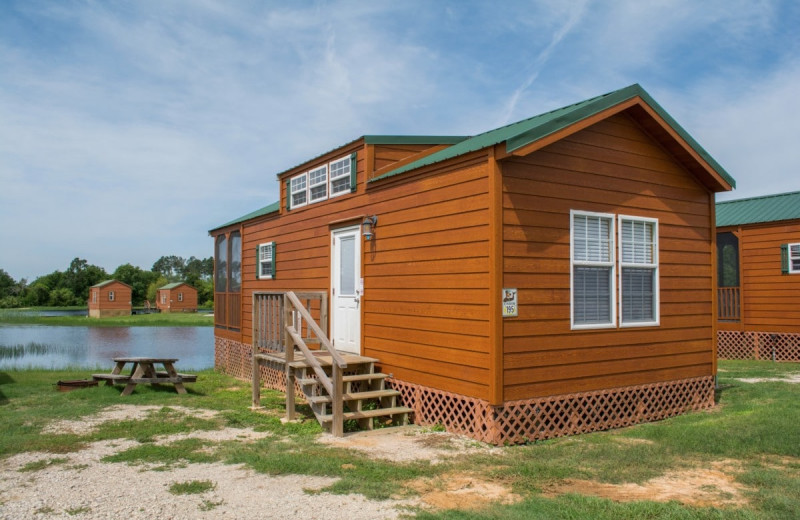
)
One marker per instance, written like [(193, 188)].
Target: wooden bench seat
[(186, 378), (111, 378)]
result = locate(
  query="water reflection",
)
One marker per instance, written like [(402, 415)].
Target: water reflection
[(40, 346)]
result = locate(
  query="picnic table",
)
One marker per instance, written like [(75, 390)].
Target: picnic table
[(143, 370)]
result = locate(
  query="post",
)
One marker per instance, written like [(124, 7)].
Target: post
[(337, 405), (256, 381), (288, 348)]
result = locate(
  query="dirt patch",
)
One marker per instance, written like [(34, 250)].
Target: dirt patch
[(793, 379), (460, 491), (701, 487), (121, 412), (408, 443)]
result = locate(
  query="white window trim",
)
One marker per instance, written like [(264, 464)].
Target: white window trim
[(111, 296), (180, 296), (271, 245), (790, 256), (612, 275), (332, 178), (324, 182), (292, 191), (654, 266)]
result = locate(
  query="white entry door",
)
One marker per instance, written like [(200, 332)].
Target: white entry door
[(345, 289)]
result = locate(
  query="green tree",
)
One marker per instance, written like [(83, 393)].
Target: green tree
[(36, 295), (170, 267), (137, 278), (152, 289), (7, 284), (81, 275), (62, 297)]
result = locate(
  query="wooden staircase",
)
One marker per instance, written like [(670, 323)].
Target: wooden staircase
[(339, 386), (364, 395)]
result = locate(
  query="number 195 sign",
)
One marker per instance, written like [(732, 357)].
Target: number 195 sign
[(510, 303)]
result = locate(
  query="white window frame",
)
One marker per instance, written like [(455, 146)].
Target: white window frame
[(292, 190), (180, 296), (321, 182), (611, 264), (793, 256), (163, 298), (111, 296), (654, 266), (270, 246), (94, 296), (347, 162)]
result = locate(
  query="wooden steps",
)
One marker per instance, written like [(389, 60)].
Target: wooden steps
[(364, 394)]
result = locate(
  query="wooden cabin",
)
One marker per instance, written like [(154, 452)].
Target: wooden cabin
[(177, 297), (758, 263), (110, 298), (549, 277)]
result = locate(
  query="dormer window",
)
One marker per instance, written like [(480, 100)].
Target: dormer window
[(321, 183)]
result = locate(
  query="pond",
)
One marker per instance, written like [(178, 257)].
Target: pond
[(54, 347)]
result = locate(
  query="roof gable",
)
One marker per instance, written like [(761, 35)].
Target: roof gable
[(755, 210), (109, 282), (522, 135)]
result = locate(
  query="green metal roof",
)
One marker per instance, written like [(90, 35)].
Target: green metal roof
[(414, 139), (174, 285), (754, 210), (106, 282), (266, 210), (522, 133)]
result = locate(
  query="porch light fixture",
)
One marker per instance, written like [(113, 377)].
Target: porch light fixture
[(368, 227)]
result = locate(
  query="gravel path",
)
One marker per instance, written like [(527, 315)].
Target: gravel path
[(79, 486)]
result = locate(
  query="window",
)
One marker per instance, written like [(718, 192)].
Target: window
[(790, 258), (266, 260), (163, 298), (638, 260), (94, 296), (180, 296), (595, 288), (329, 180), (221, 265), (340, 176), (318, 184), (298, 190), (111, 296), (592, 257)]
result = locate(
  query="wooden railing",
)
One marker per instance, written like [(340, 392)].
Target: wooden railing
[(729, 304), (268, 319), (292, 308)]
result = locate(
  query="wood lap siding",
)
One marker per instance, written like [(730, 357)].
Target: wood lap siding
[(771, 299), (611, 167), (426, 299)]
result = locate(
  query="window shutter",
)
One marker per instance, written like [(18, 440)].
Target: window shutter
[(784, 258), (258, 262), (353, 172), (273, 260), (288, 194)]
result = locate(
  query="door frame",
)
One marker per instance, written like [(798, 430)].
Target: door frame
[(356, 230)]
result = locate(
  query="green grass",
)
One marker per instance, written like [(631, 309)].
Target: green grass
[(192, 487), (754, 428), (182, 319)]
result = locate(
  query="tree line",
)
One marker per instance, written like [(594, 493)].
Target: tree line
[(71, 287)]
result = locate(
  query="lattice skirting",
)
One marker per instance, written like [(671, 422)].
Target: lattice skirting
[(534, 419), (515, 421), (236, 359), (734, 344)]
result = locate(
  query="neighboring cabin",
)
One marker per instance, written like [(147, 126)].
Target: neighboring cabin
[(596, 219), (109, 298), (177, 297), (758, 248)]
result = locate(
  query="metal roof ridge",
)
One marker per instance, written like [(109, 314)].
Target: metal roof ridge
[(759, 197)]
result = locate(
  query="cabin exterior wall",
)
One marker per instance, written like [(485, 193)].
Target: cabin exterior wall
[(611, 167)]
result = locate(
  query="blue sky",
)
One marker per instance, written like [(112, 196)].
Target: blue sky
[(128, 129)]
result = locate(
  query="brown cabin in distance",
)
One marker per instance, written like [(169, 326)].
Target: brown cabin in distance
[(758, 262), (177, 297), (549, 277), (110, 298)]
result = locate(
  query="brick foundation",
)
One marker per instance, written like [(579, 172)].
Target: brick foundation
[(515, 421)]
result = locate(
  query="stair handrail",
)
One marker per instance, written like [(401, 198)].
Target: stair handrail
[(333, 384)]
